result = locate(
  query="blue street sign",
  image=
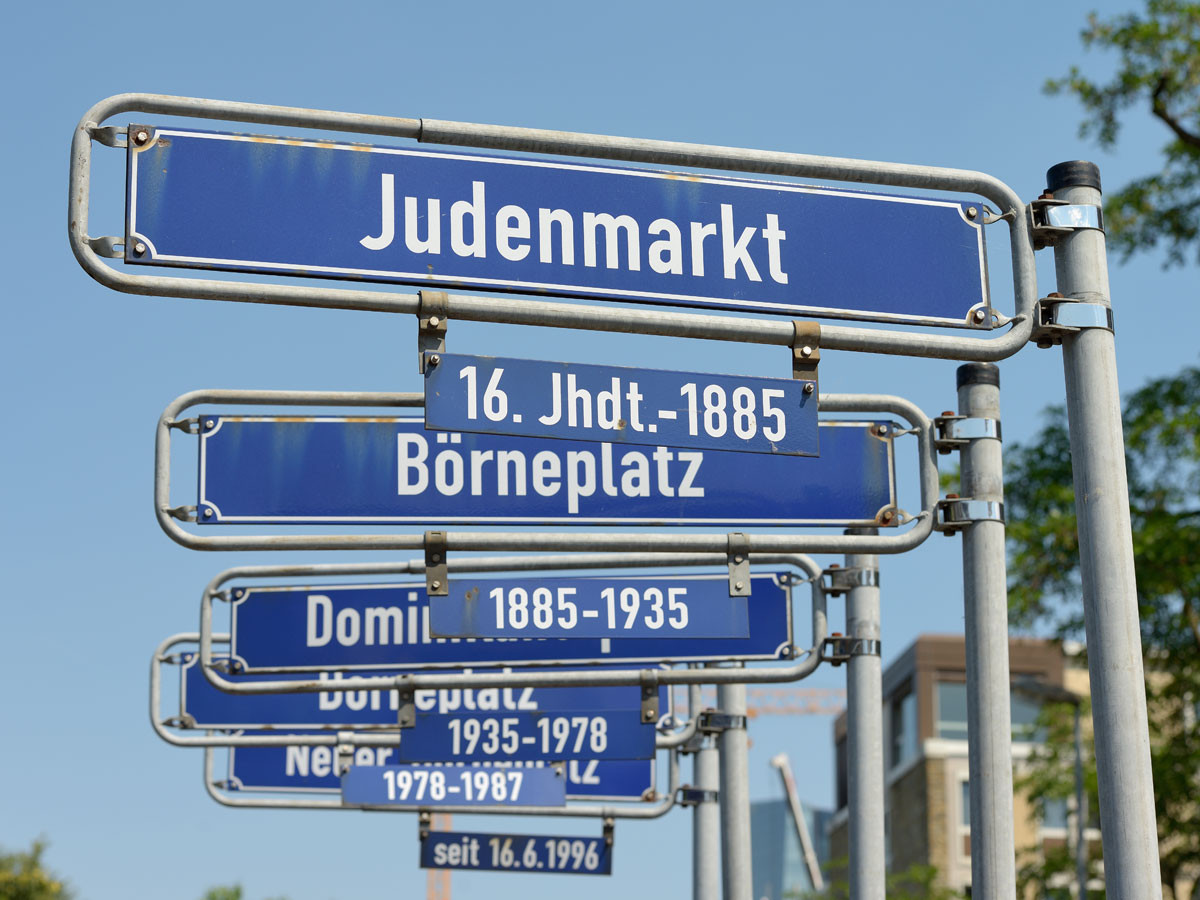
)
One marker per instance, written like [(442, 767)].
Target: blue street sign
[(551, 735), (452, 220), (516, 853), (388, 626), (493, 395), (453, 786), (205, 706), (663, 608), (309, 769), (335, 470)]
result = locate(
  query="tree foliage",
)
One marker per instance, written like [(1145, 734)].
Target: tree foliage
[(1159, 67), (23, 876), (1162, 441), (917, 882)]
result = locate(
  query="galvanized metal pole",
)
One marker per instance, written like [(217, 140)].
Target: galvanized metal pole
[(1127, 820), (706, 824), (864, 729), (985, 594), (735, 795)]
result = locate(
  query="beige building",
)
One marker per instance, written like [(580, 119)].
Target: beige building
[(927, 817)]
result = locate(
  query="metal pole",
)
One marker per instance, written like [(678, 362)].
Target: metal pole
[(735, 795), (985, 593), (1081, 812), (864, 730), (706, 824), (1127, 820)]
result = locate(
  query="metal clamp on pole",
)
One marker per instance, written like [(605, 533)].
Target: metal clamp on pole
[(713, 721), (649, 695), (610, 827), (1051, 220), (424, 822), (954, 513), (1055, 316), (739, 565), (690, 796), (437, 579), (953, 432), (842, 580), (806, 353), (838, 648), (432, 311)]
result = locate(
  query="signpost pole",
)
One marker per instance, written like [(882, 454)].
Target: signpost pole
[(735, 794), (985, 594), (864, 728), (706, 824), (1127, 819)]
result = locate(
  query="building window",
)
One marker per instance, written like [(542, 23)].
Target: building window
[(951, 711), (904, 728), (1054, 814), (1024, 718)]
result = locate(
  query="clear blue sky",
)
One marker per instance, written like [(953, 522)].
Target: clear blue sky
[(92, 584)]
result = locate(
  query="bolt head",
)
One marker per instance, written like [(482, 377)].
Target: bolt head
[(139, 248), (141, 136), (209, 423), (972, 212), (806, 351), (809, 387), (434, 359), (435, 585), (980, 315), (434, 321), (207, 513), (738, 585)]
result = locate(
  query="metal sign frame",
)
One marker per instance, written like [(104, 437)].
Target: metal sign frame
[(216, 790), (169, 517), (89, 250)]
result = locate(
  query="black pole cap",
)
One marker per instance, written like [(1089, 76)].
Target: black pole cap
[(979, 373), (1075, 173)]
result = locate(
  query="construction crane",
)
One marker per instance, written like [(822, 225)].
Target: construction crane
[(780, 762)]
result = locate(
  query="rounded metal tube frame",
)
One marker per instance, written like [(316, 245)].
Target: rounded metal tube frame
[(630, 811), (565, 315), (558, 541), (543, 677)]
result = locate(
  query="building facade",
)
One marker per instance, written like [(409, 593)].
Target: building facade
[(927, 810)]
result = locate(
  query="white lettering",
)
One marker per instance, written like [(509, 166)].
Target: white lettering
[(476, 210), (320, 624), (734, 251), (506, 231)]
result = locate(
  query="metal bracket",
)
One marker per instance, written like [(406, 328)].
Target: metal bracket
[(424, 821), (344, 752), (806, 353), (110, 136), (739, 564), (182, 513), (690, 796), (406, 714), (184, 721), (1051, 220), (108, 247), (610, 827), (189, 426), (1055, 316), (713, 721), (437, 580), (649, 695), (954, 514), (953, 432), (432, 311), (838, 648), (842, 580)]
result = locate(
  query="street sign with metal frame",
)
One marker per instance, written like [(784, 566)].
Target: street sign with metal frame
[(389, 626), (342, 470), (315, 208)]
